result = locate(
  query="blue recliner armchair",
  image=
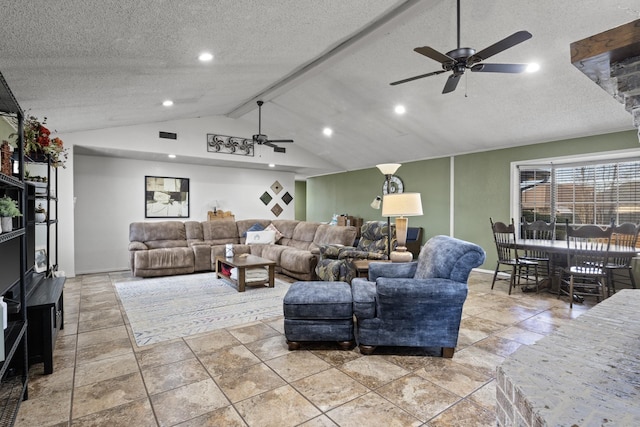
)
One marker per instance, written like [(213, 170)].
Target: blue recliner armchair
[(417, 304)]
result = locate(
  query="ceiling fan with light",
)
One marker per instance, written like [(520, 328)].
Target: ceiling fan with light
[(261, 139), (459, 60)]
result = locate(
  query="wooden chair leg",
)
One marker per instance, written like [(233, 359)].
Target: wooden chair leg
[(571, 292), (495, 275), (447, 352)]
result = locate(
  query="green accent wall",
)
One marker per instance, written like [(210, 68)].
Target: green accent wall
[(5, 130), (480, 180), (300, 201)]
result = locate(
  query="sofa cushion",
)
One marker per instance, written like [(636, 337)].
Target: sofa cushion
[(265, 237), (161, 230), (303, 235), (334, 235), (164, 262), (271, 252), (273, 228), (220, 231), (297, 260), (243, 226), (255, 227)]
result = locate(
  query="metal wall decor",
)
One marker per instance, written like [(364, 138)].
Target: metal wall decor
[(266, 198), (276, 209), (229, 145), (287, 198)]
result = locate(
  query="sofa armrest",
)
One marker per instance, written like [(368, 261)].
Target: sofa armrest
[(433, 291), (364, 298), (392, 269), (138, 246), (331, 251), (356, 254)]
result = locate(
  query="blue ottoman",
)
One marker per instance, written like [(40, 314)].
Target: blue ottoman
[(318, 311)]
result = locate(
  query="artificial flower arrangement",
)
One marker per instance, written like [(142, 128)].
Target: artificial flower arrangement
[(38, 141)]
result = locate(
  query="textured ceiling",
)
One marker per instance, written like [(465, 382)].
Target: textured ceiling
[(94, 65)]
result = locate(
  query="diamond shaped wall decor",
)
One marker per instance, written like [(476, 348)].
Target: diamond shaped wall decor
[(276, 209), (266, 198), (287, 198), (276, 187)]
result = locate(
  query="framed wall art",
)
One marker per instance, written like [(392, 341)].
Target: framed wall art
[(41, 262), (166, 197)]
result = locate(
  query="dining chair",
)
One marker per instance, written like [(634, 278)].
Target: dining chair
[(625, 236), (587, 253), (508, 260), (542, 231)]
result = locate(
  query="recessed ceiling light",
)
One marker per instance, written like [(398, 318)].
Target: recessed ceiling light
[(400, 109), (327, 131), (533, 67), (167, 103), (271, 165), (205, 57), (172, 156)]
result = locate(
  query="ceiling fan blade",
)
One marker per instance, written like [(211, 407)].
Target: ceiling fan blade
[(499, 68), (452, 83), (504, 44), (279, 150), (417, 77), (269, 144), (280, 140), (434, 54)]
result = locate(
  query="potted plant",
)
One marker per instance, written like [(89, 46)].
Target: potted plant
[(41, 213), (8, 210), (40, 145)]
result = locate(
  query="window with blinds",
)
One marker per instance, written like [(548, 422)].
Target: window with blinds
[(587, 193)]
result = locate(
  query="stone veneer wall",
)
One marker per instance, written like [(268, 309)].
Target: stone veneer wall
[(587, 373)]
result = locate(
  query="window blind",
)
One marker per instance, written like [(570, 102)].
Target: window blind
[(587, 193)]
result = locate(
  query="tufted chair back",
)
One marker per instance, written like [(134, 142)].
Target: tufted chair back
[(444, 257), (374, 237)]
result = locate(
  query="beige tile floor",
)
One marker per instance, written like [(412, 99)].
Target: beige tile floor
[(245, 376)]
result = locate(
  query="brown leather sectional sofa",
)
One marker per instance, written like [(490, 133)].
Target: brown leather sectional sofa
[(167, 248)]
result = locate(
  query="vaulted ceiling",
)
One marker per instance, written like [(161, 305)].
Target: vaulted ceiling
[(316, 63)]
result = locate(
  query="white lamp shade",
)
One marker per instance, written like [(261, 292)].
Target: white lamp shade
[(402, 204), (388, 168), (376, 202)]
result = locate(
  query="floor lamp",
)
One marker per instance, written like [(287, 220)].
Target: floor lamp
[(388, 169), (400, 206)]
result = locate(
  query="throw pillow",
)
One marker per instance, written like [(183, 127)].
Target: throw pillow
[(272, 227), (255, 227), (266, 237)]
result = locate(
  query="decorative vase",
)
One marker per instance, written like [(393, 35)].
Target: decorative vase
[(6, 223), (40, 217)]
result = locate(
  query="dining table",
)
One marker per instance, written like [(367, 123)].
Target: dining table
[(558, 251)]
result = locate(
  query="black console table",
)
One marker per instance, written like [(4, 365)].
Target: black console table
[(45, 313)]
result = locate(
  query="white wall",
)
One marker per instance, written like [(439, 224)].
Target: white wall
[(110, 195), (100, 196)]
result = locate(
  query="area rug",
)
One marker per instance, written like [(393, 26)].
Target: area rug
[(165, 308)]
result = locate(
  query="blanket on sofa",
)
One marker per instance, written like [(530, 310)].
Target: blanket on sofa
[(164, 308)]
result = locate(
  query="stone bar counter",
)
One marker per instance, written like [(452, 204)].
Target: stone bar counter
[(586, 373)]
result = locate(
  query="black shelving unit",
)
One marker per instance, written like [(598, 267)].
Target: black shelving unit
[(14, 369), (45, 301)]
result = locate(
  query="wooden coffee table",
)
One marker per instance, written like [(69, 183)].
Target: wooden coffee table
[(242, 262)]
